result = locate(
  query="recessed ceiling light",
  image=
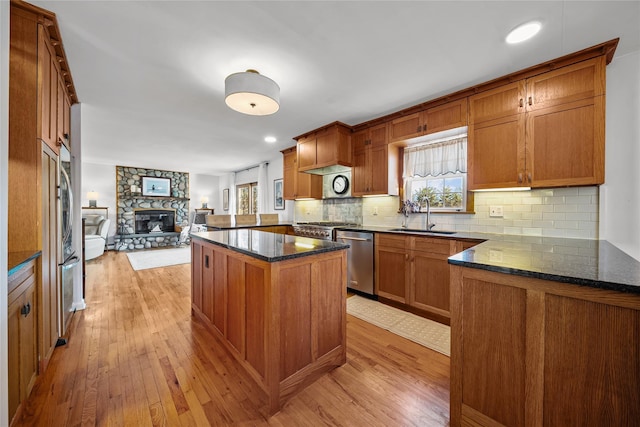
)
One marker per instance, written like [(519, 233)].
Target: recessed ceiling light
[(270, 139), (523, 32)]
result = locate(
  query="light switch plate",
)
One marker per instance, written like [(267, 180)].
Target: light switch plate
[(496, 211)]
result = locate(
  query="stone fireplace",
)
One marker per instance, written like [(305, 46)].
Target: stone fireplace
[(154, 220), (149, 221)]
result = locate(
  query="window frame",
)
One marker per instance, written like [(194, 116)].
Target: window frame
[(252, 187)]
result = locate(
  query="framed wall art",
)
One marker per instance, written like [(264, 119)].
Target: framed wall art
[(153, 186), (278, 197), (225, 199)]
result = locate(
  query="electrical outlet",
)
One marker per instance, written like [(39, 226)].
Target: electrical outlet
[(496, 211), (495, 255)]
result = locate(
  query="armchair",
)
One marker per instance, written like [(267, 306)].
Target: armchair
[(96, 228)]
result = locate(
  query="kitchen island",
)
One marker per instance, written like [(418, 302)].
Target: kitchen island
[(545, 331), (276, 302)]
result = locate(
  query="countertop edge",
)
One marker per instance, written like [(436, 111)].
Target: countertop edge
[(19, 259), (315, 251)]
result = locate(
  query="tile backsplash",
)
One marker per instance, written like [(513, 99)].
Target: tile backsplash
[(557, 212)]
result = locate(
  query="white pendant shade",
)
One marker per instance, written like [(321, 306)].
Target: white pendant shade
[(250, 92)]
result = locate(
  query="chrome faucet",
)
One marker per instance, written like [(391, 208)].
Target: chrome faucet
[(429, 225)]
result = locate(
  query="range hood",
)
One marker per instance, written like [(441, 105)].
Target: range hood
[(328, 170)]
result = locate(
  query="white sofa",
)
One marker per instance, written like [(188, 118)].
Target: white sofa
[(96, 228)]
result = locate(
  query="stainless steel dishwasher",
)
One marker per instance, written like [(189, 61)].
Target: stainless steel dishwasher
[(359, 259)]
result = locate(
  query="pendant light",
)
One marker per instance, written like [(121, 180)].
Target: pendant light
[(252, 93)]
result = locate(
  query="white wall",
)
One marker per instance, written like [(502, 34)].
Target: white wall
[(4, 211), (205, 186), (620, 195)]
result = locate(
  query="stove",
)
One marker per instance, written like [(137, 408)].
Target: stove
[(323, 230)]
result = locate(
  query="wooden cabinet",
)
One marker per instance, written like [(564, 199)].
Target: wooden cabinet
[(375, 163), (327, 146), (429, 279), (534, 352), (391, 267), (22, 333), (298, 185), (414, 271), (436, 119), (284, 322), (544, 131)]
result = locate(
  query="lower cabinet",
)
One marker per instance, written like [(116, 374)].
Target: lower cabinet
[(414, 271), (22, 333), (535, 352)]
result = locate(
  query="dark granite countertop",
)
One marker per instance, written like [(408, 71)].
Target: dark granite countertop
[(270, 247), (238, 227), (18, 259), (583, 262)]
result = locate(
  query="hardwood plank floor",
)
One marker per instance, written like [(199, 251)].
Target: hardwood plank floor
[(136, 357)]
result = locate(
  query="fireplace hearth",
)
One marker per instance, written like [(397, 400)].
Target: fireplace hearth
[(154, 220)]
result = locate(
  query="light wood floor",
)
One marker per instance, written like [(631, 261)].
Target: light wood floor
[(137, 358)]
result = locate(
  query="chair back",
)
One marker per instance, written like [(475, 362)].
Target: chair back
[(219, 220), (103, 228), (246, 220), (269, 219)]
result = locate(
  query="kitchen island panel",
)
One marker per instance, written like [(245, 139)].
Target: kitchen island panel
[(284, 321), (593, 357), (295, 319)]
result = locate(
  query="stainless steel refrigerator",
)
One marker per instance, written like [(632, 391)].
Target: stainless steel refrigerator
[(69, 259)]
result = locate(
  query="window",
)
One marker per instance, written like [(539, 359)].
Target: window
[(437, 172), (247, 198)]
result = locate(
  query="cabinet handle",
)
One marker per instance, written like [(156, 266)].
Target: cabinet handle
[(521, 103), (406, 257), (424, 128), (26, 309), (418, 129), (520, 178), (206, 261), (529, 177), (530, 100)]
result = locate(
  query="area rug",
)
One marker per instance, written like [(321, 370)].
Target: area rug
[(142, 260), (428, 333)]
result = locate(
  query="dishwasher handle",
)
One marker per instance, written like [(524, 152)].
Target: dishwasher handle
[(360, 239)]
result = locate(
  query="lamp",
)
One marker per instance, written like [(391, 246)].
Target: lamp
[(204, 200), (252, 93), (93, 197)]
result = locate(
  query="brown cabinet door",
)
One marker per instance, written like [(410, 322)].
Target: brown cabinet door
[(448, 116), (360, 173), (405, 127), (60, 113), (430, 282), (496, 153), (207, 282), (379, 170), (360, 140), (391, 276), (48, 91), (497, 104), (289, 159), (306, 150), (577, 82), (196, 274), (565, 144), (28, 339), (13, 332), (379, 135)]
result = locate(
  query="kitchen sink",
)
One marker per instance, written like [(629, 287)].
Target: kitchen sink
[(415, 230)]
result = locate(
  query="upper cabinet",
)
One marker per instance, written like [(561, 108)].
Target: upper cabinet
[(543, 131), (325, 147), (435, 119), (375, 163), (297, 185)]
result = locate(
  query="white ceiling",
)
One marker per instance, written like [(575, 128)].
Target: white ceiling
[(150, 74)]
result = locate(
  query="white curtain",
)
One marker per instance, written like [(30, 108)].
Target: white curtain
[(436, 159), (232, 194), (263, 188)]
